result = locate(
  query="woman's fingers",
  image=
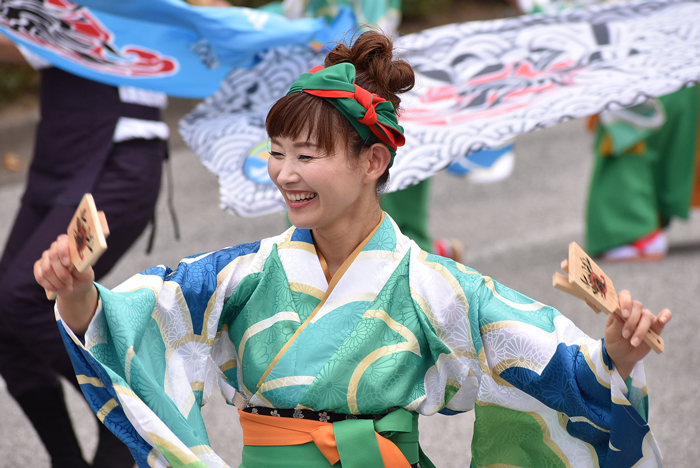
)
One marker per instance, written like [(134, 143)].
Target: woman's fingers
[(63, 250), (49, 265), (625, 299), (52, 269), (638, 321), (645, 321), (661, 320), (624, 333), (59, 269), (41, 276), (632, 319)]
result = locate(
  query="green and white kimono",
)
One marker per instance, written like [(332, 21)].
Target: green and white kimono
[(395, 327)]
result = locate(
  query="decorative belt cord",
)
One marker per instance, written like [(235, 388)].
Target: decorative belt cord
[(323, 416)]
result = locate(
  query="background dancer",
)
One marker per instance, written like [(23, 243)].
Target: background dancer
[(647, 172), (91, 138)]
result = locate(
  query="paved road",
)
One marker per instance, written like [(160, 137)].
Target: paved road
[(516, 231)]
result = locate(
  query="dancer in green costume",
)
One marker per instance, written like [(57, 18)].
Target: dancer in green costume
[(644, 176), (335, 336), (647, 167)]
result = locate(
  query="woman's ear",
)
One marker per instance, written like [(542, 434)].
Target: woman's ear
[(378, 158)]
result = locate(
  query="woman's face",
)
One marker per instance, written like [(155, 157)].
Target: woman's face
[(319, 188)]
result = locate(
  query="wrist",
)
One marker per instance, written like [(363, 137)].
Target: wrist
[(78, 307), (624, 368), (617, 359), (80, 293)]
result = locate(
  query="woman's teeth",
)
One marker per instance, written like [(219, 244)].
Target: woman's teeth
[(300, 196)]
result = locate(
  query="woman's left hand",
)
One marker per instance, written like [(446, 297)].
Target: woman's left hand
[(624, 340)]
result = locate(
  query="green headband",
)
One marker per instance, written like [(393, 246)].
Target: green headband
[(368, 113)]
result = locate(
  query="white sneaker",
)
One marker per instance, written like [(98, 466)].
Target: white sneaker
[(650, 248)]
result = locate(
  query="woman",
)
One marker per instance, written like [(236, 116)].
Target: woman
[(332, 337)]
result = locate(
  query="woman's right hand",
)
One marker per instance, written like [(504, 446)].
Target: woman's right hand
[(54, 271), (77, 295)]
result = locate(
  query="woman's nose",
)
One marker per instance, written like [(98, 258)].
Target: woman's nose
[(287, 173)]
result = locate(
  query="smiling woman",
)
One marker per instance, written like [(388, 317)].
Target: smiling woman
[(334, 137), (329, 122), (334, 336)]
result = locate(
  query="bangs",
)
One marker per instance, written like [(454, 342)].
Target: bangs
[(309, 118)]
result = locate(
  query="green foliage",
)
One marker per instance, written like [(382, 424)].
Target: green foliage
[(17, 81), (423, 8)]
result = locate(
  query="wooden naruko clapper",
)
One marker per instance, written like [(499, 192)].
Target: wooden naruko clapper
[(87, 237), (587, 281)]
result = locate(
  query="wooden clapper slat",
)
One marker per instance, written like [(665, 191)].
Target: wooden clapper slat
[(87, 234), (587, 281)]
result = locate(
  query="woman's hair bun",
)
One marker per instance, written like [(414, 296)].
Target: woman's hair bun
[(376, 71)]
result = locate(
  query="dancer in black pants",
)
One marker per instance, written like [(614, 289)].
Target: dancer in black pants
[(88, 140)]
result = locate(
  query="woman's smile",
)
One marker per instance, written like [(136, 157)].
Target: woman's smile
[(297, 200)]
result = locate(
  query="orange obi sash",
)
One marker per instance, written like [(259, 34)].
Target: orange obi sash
[(357, 442)]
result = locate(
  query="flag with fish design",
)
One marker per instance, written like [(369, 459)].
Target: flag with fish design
[(163, 45)]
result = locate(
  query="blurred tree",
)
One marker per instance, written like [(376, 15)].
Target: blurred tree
[(16, 82), (423, 8)]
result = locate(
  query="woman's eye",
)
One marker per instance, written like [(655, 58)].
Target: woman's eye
[(275, 154), (305, 157)]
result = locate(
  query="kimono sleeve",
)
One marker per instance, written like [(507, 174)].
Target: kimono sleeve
[(550, 395), (154, 351)]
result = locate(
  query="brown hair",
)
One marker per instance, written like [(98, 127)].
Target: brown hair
[(376, 71)]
